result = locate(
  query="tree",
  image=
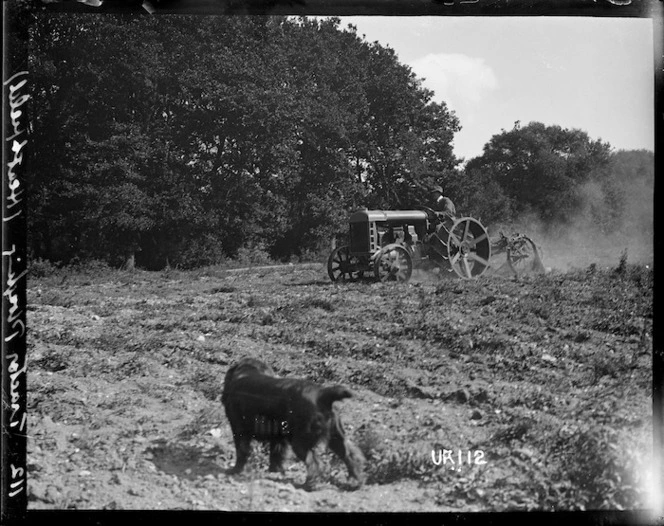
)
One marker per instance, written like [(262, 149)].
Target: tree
[(108, 163), (404, 134), (476, 193), (540, 169), (181, 140)]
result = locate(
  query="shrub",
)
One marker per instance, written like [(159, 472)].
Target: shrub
[(199, 252), (42, 268), (92, 267), (313, 256), (252, 255)]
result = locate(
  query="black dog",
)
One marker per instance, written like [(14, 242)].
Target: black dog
[(285, 411)]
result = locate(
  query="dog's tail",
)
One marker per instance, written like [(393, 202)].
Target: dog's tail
[(329, 395)]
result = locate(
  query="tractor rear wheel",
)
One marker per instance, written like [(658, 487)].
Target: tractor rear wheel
[(393, 263), (468, 248)]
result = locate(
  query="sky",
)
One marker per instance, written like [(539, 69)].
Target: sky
[(593, 74)]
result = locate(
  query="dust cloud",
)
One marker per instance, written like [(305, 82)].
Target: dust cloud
[(581, 240)]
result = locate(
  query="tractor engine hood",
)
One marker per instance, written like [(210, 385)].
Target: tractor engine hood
[(406, 216)]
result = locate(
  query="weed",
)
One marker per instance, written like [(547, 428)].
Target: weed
[(254, 301), (57, 299), (52, 360), (93, 267), (600, 474), (321, 371), (616, 321), (111, 342), (399, 465), (641, 276), (611, 364), (579, 336), (313, 302), (516, 431), (490, 344), (542, 311), (379, 381), (135, 365), (370, 441), (537, 400), (622, 265), (267, 317)]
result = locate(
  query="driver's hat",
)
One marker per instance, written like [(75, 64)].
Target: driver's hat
[(438, 189)]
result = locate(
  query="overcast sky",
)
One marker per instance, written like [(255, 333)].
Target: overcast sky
[(595, 74)]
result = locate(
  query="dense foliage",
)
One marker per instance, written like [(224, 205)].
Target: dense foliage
[(187, 140), (559, 178)]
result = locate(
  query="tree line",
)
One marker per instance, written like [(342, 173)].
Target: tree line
[(186, 140)]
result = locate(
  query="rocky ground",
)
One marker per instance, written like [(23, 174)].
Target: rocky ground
[(543, 383)]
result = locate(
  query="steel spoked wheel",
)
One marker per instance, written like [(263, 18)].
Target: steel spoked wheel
[(341, 266), (393, 264), (468, 248), (522, 256)]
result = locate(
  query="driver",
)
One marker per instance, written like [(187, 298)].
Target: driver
[(442, 203)]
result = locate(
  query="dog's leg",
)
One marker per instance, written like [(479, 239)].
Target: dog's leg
[(277, 454), (313, 470), (346, 450), (242, 452), (352, 457), (310, 458)]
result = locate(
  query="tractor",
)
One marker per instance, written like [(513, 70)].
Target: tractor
[(389, 244)]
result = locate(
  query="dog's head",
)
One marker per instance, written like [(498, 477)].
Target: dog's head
[(243, 368), (248, 366)]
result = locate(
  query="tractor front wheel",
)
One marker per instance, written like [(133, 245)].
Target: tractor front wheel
[(341, 266), (393, 263)]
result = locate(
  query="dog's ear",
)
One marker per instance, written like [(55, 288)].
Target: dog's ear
[(329, 395)]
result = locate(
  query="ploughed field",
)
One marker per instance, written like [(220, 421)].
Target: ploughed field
[(494, 394)]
